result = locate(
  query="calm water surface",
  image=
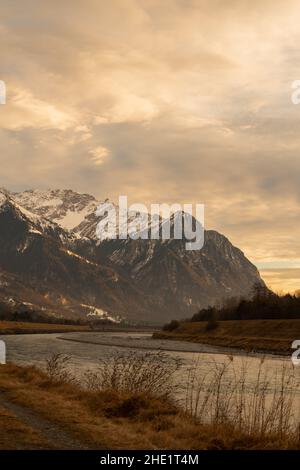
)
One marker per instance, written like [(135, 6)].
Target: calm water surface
[(87, 349)]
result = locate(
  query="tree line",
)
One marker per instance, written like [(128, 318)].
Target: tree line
[(263, 304)]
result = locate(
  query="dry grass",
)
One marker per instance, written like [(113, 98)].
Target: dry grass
[(13, 327), (262, 406), (109, 418), (259, 335)]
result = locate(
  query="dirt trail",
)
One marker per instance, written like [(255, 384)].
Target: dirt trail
[(57, 437)]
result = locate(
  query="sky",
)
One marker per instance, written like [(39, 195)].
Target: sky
[(185, 101)]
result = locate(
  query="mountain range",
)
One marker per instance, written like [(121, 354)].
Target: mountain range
[(52, 263)]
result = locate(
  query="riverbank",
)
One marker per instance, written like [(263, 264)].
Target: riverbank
[(269, 336), (37, 412), (14, 328)]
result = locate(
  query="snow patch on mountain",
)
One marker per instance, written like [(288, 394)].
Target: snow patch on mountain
[(101, 314), (72, 219)]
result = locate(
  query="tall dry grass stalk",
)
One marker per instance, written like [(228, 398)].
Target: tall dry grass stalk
[(225, 395)]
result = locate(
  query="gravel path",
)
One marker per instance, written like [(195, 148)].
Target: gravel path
[(57, 437)]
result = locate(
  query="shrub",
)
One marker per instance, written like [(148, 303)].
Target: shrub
[(212, 324), (173, 325), (149, 373), (57, 368)]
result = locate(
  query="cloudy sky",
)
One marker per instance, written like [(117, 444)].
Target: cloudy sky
[(165, 101)]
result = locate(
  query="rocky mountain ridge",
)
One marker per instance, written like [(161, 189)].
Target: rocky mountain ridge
[(48, 244)]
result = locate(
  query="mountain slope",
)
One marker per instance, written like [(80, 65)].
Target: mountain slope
[(183, 281), (153, 280), (39, 253)]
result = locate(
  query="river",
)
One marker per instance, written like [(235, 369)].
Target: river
[(86, 350)]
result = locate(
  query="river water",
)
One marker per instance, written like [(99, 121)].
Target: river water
[(88, 349)]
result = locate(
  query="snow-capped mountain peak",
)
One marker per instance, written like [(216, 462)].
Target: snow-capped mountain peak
[(63, 206), (156, 279)]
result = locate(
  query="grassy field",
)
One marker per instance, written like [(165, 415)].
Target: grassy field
[(11, 327), (259, 335), (37, 412)]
